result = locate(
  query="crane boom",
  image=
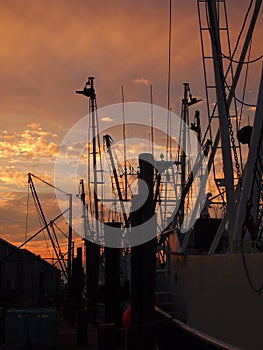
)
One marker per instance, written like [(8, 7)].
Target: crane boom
[(108, 143)]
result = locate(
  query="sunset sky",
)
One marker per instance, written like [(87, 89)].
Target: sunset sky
[(50, 48)]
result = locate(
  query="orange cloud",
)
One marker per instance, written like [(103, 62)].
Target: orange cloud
[(27, 144), (106, 119), (142, 81)]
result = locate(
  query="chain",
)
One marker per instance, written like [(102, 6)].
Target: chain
[(223, 80), (232, 139)]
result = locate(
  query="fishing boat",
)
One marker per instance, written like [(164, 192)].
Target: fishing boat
[(209, 269), (215, 268)]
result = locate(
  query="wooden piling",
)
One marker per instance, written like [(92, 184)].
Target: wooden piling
[(143, 264), (112, 279)]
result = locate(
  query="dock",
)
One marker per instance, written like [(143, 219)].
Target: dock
[(67, 337)]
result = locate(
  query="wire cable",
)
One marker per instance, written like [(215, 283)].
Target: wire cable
[(237, 99), (169, 77), (245, 82), (243, 62), (47, 183), (231, 59), (234, 51), (27, 210)]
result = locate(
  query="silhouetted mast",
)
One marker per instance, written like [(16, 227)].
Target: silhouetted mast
[(92, 250), (89, 92)]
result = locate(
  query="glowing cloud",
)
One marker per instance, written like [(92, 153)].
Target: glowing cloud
[(107, 119), (30, 143), (142, 81)]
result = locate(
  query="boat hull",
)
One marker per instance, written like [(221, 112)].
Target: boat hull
[(213, 295)]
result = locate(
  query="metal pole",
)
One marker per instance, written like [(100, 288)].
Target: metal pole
[(124, 145), (70, 239)]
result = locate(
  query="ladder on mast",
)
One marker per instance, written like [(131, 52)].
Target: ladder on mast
[(94, 162), (210, 87), (94, 200)]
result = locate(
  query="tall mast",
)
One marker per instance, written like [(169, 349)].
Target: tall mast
[(92, 250), (89, 92), (185, 123), (92, 102), (223, 109), (184, 143)]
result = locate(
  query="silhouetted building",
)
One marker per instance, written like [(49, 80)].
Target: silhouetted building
[(25, 278)]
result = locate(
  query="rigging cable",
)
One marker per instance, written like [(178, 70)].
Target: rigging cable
[(27, 210), (47, 183), (53, 222), (100, 211), (168, 124), (40, 219), (47, 245), (237, 99), (245, 82), (243, 62), (234, 51), (169, 78), (231, 59), (214, 35), (152, 136)]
